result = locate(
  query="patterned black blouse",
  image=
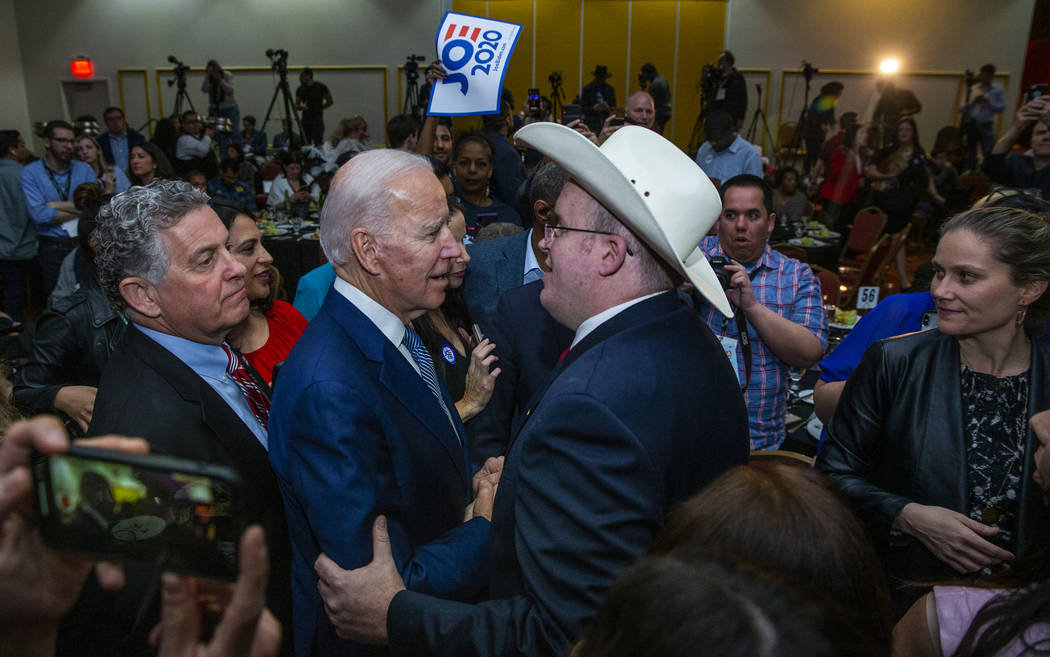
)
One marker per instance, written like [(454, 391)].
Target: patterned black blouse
[(995, 413)]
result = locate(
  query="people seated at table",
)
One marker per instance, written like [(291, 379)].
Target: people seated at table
[(253, 142), (227, 185), (148, 163), (292, 185), (111, 179), (246, 168), (197, 180), (1000, 615), (929, 438), (468, 367), (724, 153), (899, 173), (778, 299), (845, 172), (789, 202), (766, 514), (472, 167), (267, 335), (72, 341), (350, 137), (1029, 170), (287, 139)]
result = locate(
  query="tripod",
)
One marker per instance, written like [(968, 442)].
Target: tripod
[(180, 77), (557, 98), (414, 101), (290, 110), (796, 139), (759, 114)]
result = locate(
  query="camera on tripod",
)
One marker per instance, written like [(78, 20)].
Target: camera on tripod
[(178, 73), (278, 59), (412, 65), (970, 78), (809, 70)]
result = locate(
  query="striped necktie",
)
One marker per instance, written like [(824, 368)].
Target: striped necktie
[(258, 401), (426, 368)]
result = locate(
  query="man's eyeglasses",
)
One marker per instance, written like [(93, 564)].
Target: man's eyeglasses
[(551, 232)]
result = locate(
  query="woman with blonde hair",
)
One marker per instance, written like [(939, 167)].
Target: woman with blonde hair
[(112, 180)]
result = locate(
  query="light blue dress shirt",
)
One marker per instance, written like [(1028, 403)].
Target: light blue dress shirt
[(209, 362), (740, 157)]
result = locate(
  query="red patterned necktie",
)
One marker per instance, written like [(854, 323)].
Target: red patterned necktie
[(258, 401)]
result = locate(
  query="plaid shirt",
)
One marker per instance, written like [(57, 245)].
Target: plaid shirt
[(789, 288)]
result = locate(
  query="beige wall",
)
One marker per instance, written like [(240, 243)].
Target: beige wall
[(123, 33), (925, 35), (14, 110)]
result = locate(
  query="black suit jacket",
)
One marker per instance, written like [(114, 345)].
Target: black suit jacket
[(637, 417), (134, 139), (146, 391), (897, 437), (528, 342)]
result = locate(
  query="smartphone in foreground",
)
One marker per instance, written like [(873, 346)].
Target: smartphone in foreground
[(570, 113), (183, 516)]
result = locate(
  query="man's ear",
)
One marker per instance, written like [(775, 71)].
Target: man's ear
[(366, 250), (613, 252), (140, 295), (543, 211)]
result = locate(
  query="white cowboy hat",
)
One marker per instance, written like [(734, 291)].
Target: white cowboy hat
[(648, 184)]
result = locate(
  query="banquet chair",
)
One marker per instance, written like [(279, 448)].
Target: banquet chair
[(852, 278), (867, 226), (830, 285)]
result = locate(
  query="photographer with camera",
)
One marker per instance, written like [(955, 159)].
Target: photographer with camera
[(984, 101), (731, 95), (218, 84), (1023, 170), (776, 297)]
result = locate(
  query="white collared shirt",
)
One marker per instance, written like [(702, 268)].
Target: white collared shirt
[(387, 322), (595, 321)]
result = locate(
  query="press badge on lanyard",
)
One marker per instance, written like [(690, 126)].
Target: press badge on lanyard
[(729, 345)]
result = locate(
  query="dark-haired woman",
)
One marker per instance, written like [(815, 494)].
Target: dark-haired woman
[(267, 335), (930, 438), (901, 175), (292, 185), (146, 163), (472, 167), (446, 332)]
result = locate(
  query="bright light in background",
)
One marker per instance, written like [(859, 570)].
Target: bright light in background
[(889, 66), (81, 67)]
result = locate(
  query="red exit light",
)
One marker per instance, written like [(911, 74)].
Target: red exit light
[(81, 68)]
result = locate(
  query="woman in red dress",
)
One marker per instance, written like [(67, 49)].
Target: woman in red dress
[(273, 327)]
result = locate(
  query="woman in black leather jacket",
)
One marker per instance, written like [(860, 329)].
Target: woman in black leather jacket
[(72, 343), (930, 437)]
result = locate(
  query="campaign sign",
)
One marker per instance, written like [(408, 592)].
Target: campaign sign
[(475, 53)]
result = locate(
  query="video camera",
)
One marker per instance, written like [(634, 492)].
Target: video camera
[(970, 78), (412, 65), (178, 73), (809, 70)]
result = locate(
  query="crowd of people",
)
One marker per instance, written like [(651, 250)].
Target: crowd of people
[(531, 404)]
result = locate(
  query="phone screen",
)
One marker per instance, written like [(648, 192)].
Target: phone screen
[(180, 515), (570, 113)]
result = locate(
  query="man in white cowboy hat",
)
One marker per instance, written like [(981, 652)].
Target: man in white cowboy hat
[(639, 414)]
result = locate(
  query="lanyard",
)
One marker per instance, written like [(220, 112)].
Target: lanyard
[(743, 335), (63, 194)]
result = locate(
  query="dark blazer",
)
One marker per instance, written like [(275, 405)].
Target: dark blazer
[(638, 417), (496, 266), (528, 342), (134, 139), (897, 437), (146, 391), (354, 433)]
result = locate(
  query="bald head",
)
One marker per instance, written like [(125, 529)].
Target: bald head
[(640, 110)]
